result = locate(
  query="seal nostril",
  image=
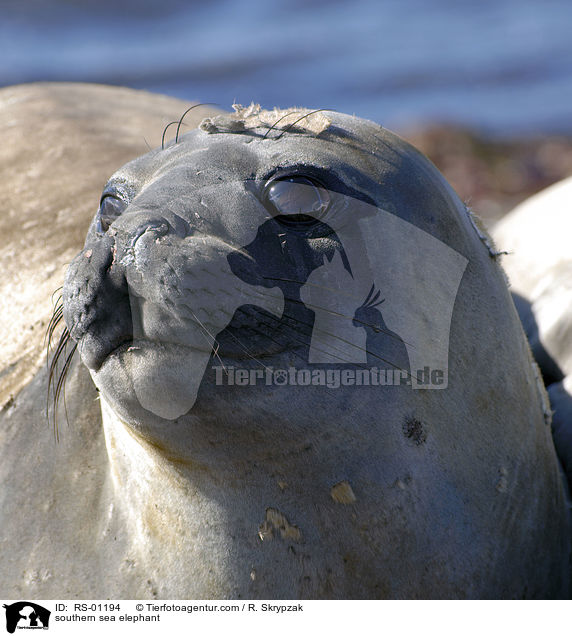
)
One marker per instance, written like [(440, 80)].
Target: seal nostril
[(158, 228)]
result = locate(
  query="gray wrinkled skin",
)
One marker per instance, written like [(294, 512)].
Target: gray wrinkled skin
[(294, 492)]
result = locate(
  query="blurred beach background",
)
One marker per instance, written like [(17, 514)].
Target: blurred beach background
[(484, 87)]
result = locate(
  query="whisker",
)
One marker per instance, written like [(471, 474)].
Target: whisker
[(60, 288), (61, 341), (310, 326), (248, 353), (273, 127), (294, 335), (329, 353), (164, 132), (246, 350), (313, 112), (341, 315), (364, 349), (216, 355), (61, 387), (214, 342), (57, 379), (275, 341), (55, 320), (183, 117), (313, 307)]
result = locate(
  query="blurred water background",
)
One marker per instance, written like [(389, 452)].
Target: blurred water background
[(501, 69)]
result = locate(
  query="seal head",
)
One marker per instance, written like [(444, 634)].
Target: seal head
[(287, 293)]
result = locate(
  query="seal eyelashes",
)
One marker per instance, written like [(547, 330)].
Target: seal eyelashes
[(313, 112), (179, 123), (171, 123), (239, 121), (288, 114), (185, 114)]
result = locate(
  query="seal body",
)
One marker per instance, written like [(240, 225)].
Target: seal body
[(313, 380), (539, 266)]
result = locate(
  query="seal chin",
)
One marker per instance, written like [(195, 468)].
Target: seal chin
[(94, 352), (160, 378)]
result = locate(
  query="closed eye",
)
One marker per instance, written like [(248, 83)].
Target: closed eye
[(110, 208)]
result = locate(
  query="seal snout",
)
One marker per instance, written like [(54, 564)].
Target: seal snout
[(96, 303)]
